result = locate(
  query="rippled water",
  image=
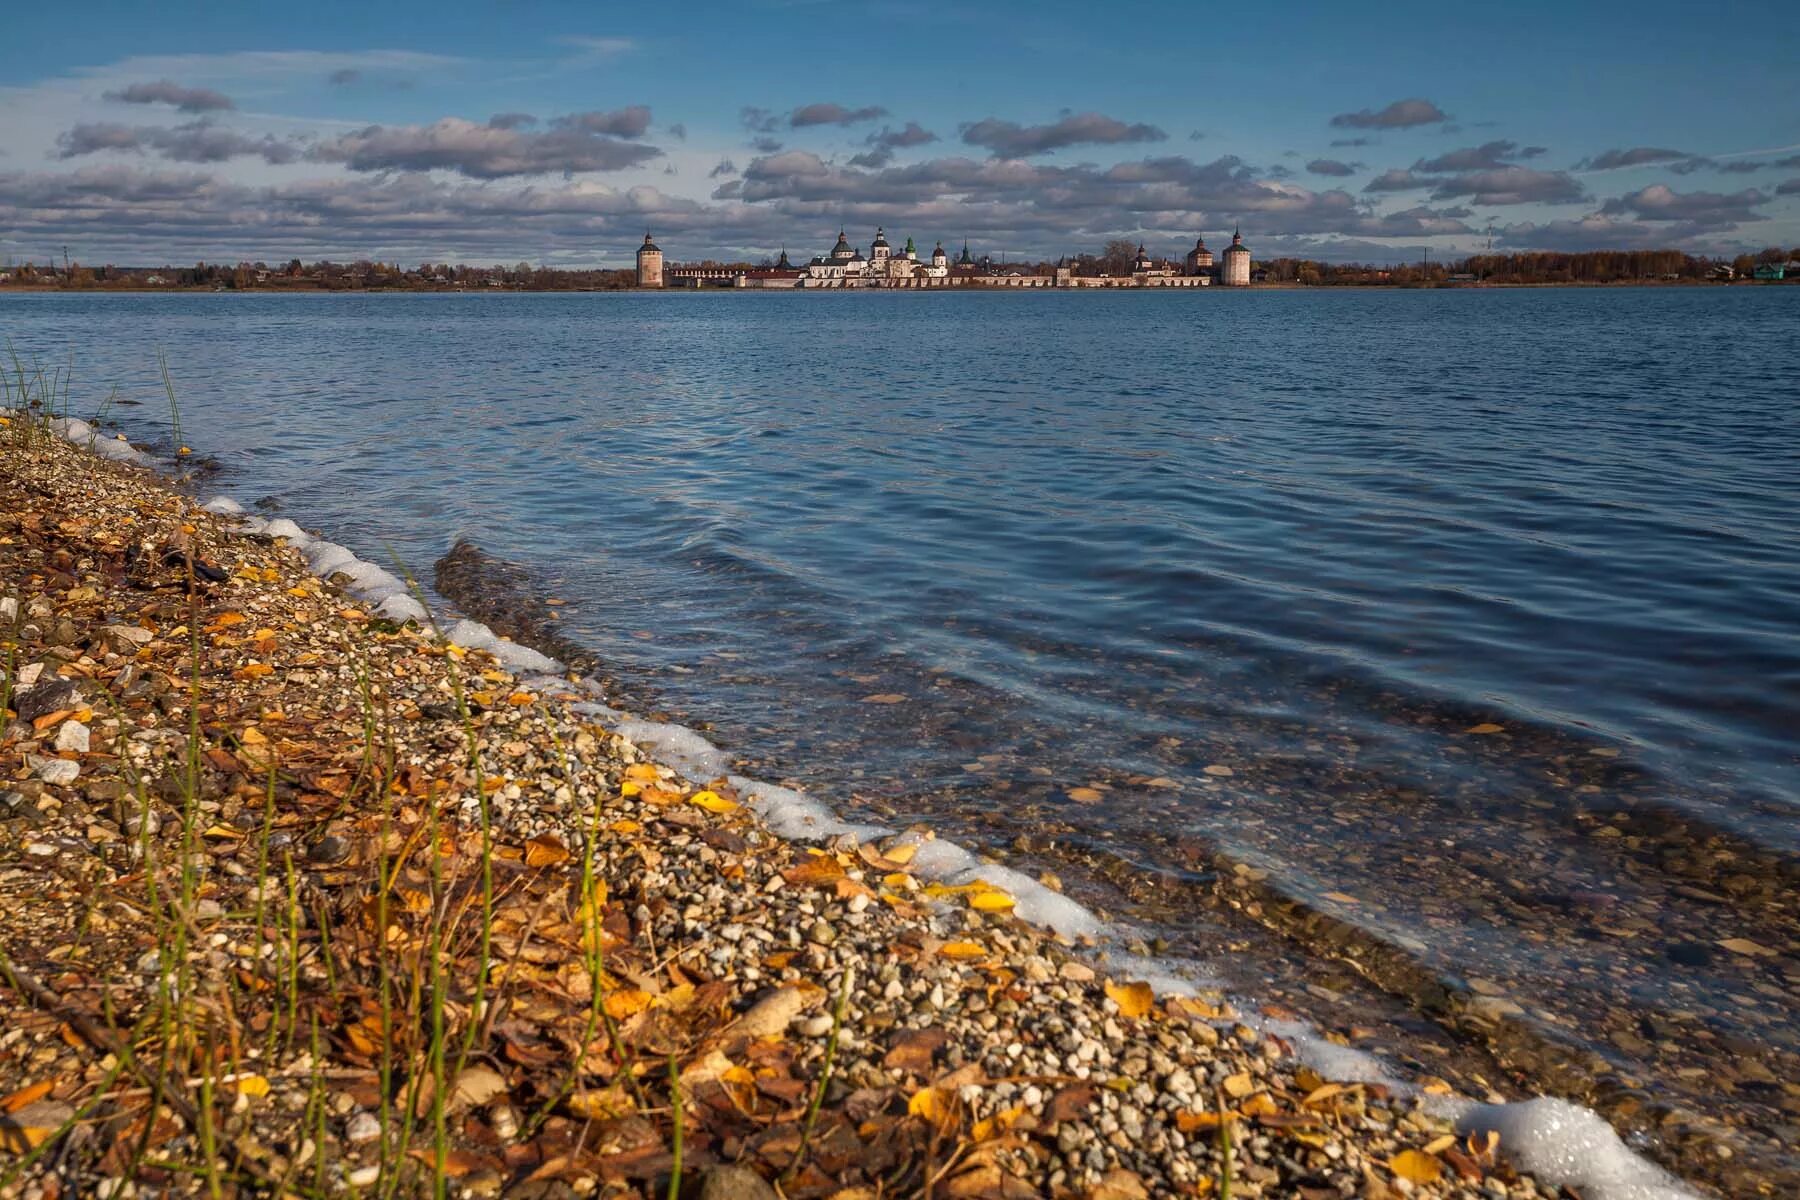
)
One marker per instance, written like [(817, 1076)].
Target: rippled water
[(1028, 566)]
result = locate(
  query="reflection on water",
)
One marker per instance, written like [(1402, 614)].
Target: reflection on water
[(1472, 618)]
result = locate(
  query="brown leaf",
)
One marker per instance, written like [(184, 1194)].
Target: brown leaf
[(914, 1049), (1070, 1104), (545, 850)]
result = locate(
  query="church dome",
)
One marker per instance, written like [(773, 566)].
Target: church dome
[(843, 244), (880, 238), (649, 245)]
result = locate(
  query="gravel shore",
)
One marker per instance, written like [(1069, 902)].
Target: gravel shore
[(299, 900)]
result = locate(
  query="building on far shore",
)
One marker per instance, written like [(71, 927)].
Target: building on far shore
[(845, 266), (649, 264), (1235, 270)]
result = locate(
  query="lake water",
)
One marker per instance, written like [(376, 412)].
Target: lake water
[(1471, 618)]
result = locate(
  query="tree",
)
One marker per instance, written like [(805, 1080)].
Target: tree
[(1117, 256)]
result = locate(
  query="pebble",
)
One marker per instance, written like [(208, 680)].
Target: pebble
[(72, 738), (362, 1128), (59, 771)]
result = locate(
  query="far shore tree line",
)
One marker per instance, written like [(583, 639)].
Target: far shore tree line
[(1115, 258)]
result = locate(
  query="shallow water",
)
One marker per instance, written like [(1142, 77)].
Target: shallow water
[(1027, 566)]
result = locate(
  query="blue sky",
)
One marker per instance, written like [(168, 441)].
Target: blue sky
[(559, 132)]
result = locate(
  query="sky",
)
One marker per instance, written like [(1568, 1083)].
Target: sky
[(560, 133)]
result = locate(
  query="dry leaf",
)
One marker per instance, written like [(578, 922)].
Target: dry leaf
[(1484, 728), (713, 802), (1134, 999), (1416, 1167), (1084, 795), (545, 850), (1240, 1085), (885, 698)]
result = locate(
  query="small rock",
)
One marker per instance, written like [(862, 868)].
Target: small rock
[(330, 849), (735, 1183), (821, 933), (72, 737), (59, 771), (475, 1087), (53, 695), (362, 1128)]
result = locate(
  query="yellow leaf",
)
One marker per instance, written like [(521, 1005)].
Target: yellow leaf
[(545, 851), (885, 698), (928, 1103), (485, 699), (627, 1002), (643, 773), (963, 950), (253, 1085), (1415, 1167), (521, 699), (1321, 1094), (991, 900), (901, 853), (254, 670), (1085, 795), (999, 1123), (1438, 1145), (713, 802), (227, 619), (625, 827), (629, 788), (1258, 1105), (601, 1105), (897, 879), (1134, 999), (1484, 728)]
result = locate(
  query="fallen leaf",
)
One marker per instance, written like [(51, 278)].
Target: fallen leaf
[(626, 1002), (545, 850), (885, 698), (713, 802), (252, 1085), (963, 950), (1134, 999), (1485, 727), (1084, 795), (1416, 1167), (29, 1094), (929, 1103), (991, 900), (914, 1049)]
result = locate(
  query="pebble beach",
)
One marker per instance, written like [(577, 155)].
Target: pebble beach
[(301, 899)]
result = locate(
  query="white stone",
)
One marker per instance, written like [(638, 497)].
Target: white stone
[(72, 736), (363, 1127), (59, 771), (28, 675)]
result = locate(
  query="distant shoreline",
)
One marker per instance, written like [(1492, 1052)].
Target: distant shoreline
[(39, 289)]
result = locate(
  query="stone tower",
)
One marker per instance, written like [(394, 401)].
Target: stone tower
[(649, 264), (1234, 266)]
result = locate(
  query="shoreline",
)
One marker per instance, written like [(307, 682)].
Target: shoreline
[(961, 290), (978, 915)]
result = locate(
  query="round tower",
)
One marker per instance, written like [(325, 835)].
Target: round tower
[(879, 250), (1235, 268), (649, 264), (939, 258)]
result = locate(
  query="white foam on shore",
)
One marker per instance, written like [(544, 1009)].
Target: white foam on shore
[(1554, 1140), (1565, 1144), (82, 434)]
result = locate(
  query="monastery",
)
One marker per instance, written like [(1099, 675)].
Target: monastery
[(845, 266)]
